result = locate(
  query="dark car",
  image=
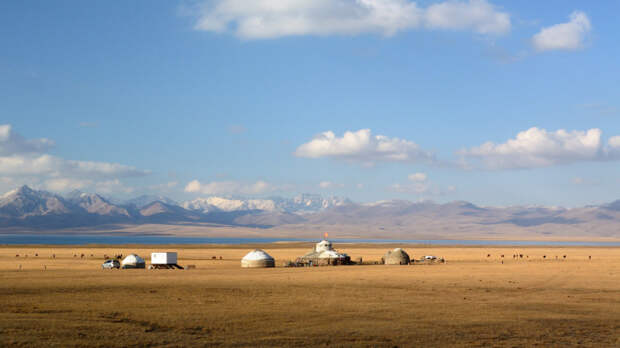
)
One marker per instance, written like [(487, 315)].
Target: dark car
[(109, 264)]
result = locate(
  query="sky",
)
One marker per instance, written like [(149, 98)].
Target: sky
[(492, 102)]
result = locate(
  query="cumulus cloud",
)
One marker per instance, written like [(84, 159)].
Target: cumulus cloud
[(25, 161), (265, 19), (229, 187), (364, 147), (537, 147), (563, 36)]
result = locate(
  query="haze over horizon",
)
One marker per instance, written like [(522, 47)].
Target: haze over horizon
[(491, 102)]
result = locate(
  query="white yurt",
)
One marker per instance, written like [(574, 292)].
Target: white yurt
[(257, 259), (133, 261)]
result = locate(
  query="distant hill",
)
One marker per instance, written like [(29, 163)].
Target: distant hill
[(28, 209)]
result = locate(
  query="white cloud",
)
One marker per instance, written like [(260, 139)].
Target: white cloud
[(614, 142), (167, 186), (417, 177), (329, 184), (564, 36), (112, 186), (12, 143), (65, 184), (25, 161), (47, 165), (416, 188), (264, 19), (476, 15), (325, 184), (419, 184), (362, 146), (229, 187), (537, 147)]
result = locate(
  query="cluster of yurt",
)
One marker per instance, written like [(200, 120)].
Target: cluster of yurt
[(324, 254), (133, 261), (257, 259), (396, 257)]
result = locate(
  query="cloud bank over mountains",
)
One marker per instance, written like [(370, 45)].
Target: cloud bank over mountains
[(24, 159), (266, 19)]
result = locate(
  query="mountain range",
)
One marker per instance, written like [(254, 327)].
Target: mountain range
[(28, 209)]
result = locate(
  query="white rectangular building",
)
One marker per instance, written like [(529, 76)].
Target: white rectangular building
[(167, 258)]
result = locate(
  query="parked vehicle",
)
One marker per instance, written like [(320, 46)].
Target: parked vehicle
[(110, 264)]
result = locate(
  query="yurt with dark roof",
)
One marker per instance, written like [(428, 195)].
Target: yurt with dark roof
[(396, 257)]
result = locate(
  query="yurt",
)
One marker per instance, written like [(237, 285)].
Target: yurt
[(396, 257), (133, 261), (324, 254), (257, 259)]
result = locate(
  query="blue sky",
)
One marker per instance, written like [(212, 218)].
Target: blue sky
[(191, 99)]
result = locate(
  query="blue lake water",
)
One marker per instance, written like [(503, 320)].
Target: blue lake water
[(31, 239)]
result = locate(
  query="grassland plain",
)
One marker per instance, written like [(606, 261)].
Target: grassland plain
[(472, 300)]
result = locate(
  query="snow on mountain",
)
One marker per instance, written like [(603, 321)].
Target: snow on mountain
[(212, 204), (299, 204), (24, 202)]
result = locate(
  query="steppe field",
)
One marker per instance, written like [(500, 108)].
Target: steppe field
[(471, 300)]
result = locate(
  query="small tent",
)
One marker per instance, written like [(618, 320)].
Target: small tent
[(396, 257), (257, 259), (133, 261)]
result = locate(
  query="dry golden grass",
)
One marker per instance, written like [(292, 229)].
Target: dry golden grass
[(472, 300)]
